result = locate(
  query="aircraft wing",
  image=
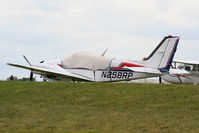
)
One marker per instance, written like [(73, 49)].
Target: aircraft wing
[(52, 70), (178, 72), (187, 62)]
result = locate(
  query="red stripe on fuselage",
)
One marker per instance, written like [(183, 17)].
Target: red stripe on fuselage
[(59, 65), (130, 65), (126, 64)]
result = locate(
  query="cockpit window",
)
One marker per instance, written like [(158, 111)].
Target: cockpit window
[(180, 67)]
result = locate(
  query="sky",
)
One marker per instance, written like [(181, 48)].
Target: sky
[(52, 29)]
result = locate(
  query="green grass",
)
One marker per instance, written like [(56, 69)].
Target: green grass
[(37, 107)]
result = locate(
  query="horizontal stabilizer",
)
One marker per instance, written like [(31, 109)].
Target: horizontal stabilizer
[(146, 70)]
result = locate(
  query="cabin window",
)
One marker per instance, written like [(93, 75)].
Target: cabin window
[(189, 67), (196, 68)]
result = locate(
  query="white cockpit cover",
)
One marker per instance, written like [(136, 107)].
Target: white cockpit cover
[(86, 60)]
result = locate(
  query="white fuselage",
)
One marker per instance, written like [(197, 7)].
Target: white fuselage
[(110, 75), (103, 75)]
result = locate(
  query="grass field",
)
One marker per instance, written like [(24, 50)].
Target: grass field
[(58, 107)]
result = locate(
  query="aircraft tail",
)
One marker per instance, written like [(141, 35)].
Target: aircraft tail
[(163, 54)]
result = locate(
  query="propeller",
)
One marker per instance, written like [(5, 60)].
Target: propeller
[(160, 80), (31, 76), (31, 73), (104, 52), (26, 60)]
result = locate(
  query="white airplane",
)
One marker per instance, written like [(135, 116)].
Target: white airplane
[(183, 72), (84, 66)]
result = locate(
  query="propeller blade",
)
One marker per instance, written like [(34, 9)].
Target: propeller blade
[(104, 52), (160, 80), (26, 60), (31, 76)]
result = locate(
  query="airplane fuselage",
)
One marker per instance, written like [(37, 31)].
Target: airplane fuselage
[(104, 75)]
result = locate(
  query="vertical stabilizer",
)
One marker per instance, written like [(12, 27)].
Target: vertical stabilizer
[(163, 54)]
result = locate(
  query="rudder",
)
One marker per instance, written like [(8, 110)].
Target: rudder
[(163, 54)]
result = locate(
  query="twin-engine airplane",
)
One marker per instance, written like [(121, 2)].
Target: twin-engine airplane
[(84, 66), (188, 73)]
